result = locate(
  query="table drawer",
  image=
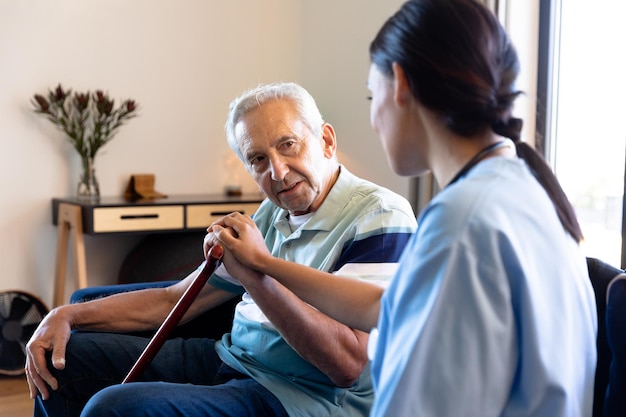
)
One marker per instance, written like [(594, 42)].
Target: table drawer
[(202, 215), (131, 219)]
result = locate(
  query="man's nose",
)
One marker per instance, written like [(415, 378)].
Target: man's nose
[(278, 168)]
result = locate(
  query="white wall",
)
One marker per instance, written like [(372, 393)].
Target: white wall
[(336, 40), (182, 61), (521, 20)]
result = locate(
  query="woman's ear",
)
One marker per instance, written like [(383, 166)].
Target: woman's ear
[(401, 91)]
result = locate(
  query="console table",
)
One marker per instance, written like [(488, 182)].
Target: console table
[(115, 215)]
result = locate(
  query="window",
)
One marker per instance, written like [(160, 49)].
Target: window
[(582, 114)]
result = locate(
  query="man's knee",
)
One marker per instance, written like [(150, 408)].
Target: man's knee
[(116, 400)]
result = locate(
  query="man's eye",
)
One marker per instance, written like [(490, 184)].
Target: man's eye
[(285, 146), (256, 160)]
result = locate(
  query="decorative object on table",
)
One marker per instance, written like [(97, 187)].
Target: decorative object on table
[(20, 314), (141, 186), (90, 121), (232, 166), (233, 190)]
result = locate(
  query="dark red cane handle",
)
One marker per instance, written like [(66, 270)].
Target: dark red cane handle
[(175, 316)]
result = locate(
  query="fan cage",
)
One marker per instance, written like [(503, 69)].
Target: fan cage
[(20, 314)]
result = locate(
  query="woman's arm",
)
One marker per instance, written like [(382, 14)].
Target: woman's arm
[(353, 302)]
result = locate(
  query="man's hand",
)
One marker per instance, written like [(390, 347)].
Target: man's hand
[(239, 235), (52, 334)]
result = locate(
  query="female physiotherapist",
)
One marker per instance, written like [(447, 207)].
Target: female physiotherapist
[(491, 312)]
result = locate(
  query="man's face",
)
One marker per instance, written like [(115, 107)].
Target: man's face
[(293, 167)]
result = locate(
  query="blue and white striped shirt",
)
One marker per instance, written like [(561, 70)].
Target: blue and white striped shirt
[(358, 222)]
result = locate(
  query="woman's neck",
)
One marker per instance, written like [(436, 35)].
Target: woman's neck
[(457, 153)]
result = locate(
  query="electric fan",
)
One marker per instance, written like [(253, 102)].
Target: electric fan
[(20, 314)]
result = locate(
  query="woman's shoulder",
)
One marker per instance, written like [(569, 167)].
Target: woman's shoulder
[(491, 196)]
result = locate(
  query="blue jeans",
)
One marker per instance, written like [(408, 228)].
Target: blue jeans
[(186, 378)]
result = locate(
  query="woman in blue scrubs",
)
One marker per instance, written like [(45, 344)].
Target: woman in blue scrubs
[(491, 312)]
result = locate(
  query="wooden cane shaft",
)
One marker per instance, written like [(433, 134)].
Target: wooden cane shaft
[(175, 316)]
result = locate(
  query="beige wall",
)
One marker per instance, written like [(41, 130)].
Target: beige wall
[(182, 61), (521, 20), (336, 37)]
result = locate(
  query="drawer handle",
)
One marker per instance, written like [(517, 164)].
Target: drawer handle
[(225, 213), (139, 216)]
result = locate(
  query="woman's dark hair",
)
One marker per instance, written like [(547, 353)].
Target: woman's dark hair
[(460, 63)]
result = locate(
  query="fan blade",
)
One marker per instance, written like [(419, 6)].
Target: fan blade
[(5, 304), (32, 316), (19, 307)]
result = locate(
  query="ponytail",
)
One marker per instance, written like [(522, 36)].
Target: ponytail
[(549, 182)]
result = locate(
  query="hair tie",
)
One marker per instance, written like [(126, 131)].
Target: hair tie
[(511, 129)]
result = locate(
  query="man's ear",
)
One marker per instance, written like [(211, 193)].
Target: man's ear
[(401, 91), (330, 140)]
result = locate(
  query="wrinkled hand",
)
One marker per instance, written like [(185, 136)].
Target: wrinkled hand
[(52, 334), (240, 237)]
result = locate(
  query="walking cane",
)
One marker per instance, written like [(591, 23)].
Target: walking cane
[(177, 313)]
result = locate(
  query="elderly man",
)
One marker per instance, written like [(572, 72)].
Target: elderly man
[(282, 357)]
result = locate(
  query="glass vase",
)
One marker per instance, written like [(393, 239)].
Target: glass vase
[(88, 187)]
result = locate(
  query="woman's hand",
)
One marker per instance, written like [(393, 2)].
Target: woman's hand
[(241, 238)]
